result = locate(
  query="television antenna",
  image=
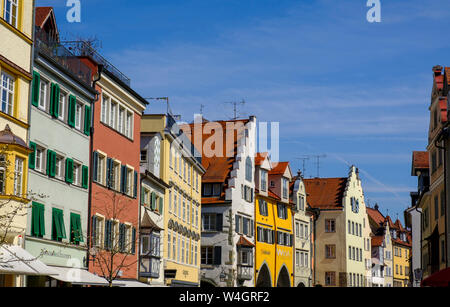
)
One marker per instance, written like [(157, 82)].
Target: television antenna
[(235, 104), (316, 157)]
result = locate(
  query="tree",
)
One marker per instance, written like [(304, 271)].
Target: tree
[(112, 243)]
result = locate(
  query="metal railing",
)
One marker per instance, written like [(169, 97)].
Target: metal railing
[(48, 44), (81, 48)]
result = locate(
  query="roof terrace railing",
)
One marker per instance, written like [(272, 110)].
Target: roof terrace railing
[(81, 48), (48, 44)]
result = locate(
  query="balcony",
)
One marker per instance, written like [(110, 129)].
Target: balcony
[(244, 272)]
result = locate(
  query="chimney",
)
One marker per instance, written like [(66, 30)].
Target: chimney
[(376, 207), (437, 70)]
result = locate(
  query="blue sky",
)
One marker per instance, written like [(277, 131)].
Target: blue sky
[(356, 91)]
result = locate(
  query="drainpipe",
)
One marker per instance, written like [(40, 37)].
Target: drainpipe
[(420, 252), (91, 169), (315, 217)]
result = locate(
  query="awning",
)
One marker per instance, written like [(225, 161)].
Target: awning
[(130, 283), (78, 276), (438, 279), (15, 260)]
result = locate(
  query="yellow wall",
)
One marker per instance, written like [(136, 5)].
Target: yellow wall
[(185, 272), (402, 259), (274, 255)]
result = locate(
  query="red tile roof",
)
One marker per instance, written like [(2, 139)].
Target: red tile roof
[(244, 242), (260, 157), (377, 240), (218, 169), (278, 168), (398, 224), (42, 13), (420, 159), (375, 216), (273, 195), (325, 193), (391, 224)]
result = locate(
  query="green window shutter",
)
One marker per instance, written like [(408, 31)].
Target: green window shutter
[(75, 227), (133, 241), (85, 177), (54, 100), (35, 219), (51, 163), (35, 89), (69, 170), (32, 156), (161, 205), (41, 220), (56, 225), (153, 201), (142, 195), (87, 120), (71, 114)]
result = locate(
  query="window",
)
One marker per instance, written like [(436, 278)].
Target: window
[(129, 187), (101, 169), (207, 255), (10, 12), (128, 125), (112, 115), (98, 225), (18, 177), (59, 170), (207, 189), (62, 104), (143, 155), (120, 123), (263, 207), (285, 188), (282, 211), (330, 225), (263, 180), (2, 174), (104, 110), (174, 245), (245, 257), (209, 222), (248, 169), (78, 109), (76, 174), (301, 202), (115, 176), (330, 278), (7, 93), (330, 251)]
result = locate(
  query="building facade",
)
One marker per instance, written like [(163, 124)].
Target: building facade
[(339, 240), (228, 185), (181, 170), (16, 32), (151, 228), (274, 252), (303, 234), (59, 163)]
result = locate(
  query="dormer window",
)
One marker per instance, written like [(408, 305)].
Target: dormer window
[(272, 183), (285, 187), (263, 180)]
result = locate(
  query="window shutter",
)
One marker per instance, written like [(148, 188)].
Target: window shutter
[(94, 229), (35, 219), (35, 89), (87, 120), (54, 100), (51, 163), (135, 183), (217, 255), (32, 156), (107, 234), (122, 179), (85, 177), (142, 201), (161, 206), (109, 162), (219, 222), (133, 241), (95, 165), (71, 111), (69, 170), (121, 237)]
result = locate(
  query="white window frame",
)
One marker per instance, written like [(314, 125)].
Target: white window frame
[(18, 176), (62, 103), (78, 115), (13, 12), (9, 88)]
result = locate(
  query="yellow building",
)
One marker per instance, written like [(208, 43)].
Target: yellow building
[(181, 169), (401, 246), (273, 221), (16, 26)]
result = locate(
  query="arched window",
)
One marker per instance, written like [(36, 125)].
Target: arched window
[(248, 169)]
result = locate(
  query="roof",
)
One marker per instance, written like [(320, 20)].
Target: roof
[(377, 240), (398, 224), (390, 223), (272, 194), (325, 193), (420, 160), (7, 137), (42, 13), (260, 157), (217, 169), (278, 168), (375, 215), (244, 242)]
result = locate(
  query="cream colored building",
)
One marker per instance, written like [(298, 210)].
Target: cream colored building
[(339, 238), (16, 41), (181, 170)]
